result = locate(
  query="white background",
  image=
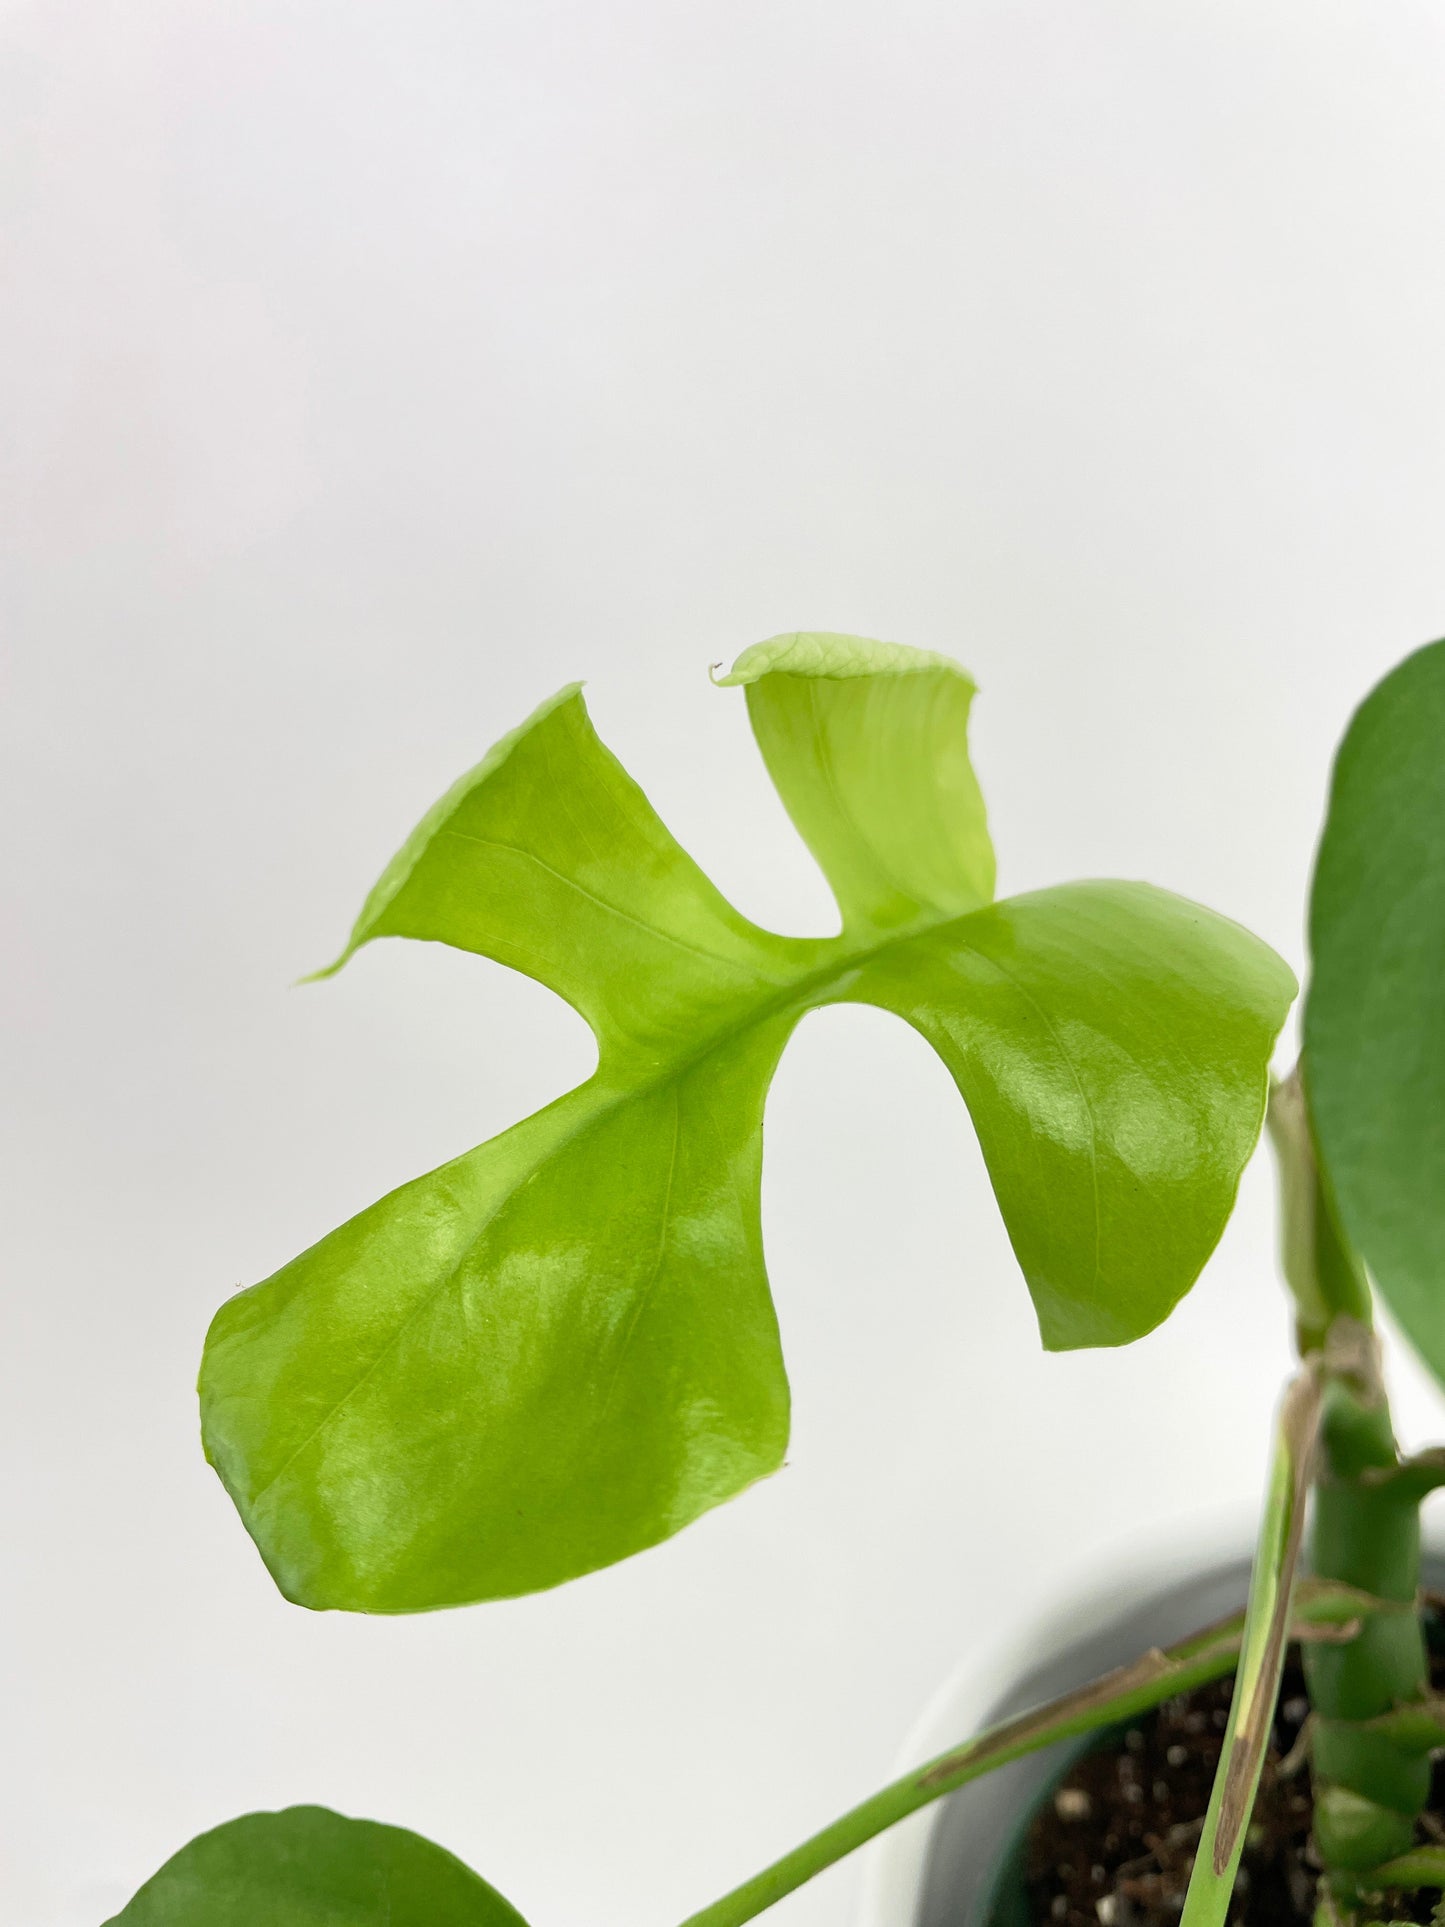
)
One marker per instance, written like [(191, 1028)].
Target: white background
[(371, 369)]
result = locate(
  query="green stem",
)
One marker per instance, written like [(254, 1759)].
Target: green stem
[(1371, 1781), (1262, 1655), (1322, 1612), (1370, 1775), (1421, 1867), (1325, 1277)]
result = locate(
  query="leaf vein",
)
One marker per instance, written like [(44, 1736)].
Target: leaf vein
[(614, 909)]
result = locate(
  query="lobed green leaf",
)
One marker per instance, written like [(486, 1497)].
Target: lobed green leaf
[(561, 1347)]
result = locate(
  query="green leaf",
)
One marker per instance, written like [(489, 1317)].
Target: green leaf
[(868, 746), (1109, 1040), (1422, 1866), (561, 1347), (1374, 1024), (548, 857), (309, 1867)]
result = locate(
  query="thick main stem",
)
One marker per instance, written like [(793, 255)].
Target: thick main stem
[(1370, 1786)]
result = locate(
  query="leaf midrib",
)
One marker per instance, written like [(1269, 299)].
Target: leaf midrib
[(611, 1097)]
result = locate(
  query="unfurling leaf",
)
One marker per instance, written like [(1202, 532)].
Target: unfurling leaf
[(561, 1347), (1374, 1026), (309, 1867)]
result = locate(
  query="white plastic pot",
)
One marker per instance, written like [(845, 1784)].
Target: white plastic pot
[(936, 1869)]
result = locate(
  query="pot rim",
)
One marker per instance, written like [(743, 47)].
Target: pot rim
[(1087, 1589)]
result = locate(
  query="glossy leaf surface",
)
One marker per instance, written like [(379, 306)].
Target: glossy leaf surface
[(1375, 1014), (561, 1347), (868, 748), (1098, 1035), (309, 1867)]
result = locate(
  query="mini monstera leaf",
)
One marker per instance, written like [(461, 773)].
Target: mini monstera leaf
[(309, 1867), (561, 1347), (1375, 1013)]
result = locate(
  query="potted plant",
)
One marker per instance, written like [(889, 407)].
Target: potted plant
[(560, 1348)]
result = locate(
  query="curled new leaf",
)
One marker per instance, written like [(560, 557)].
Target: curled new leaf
[(309, 1867), (561, 1347)]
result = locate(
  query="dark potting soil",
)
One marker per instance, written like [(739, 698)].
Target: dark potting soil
[(1114, 1845)]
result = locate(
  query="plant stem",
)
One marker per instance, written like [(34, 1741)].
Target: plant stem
[(1262, 1655), (1370, 1783), (1421, 1867), (1324, 1275), (1322, 1612)]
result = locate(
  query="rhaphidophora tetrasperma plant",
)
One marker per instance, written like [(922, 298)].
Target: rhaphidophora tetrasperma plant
[(560, 1348)]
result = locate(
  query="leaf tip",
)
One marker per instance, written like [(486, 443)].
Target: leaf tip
[(326, 970), (825, 654)]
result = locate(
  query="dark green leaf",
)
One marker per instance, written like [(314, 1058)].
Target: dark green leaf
[(309, 1867), (561, 1347), (1375, 1015)]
